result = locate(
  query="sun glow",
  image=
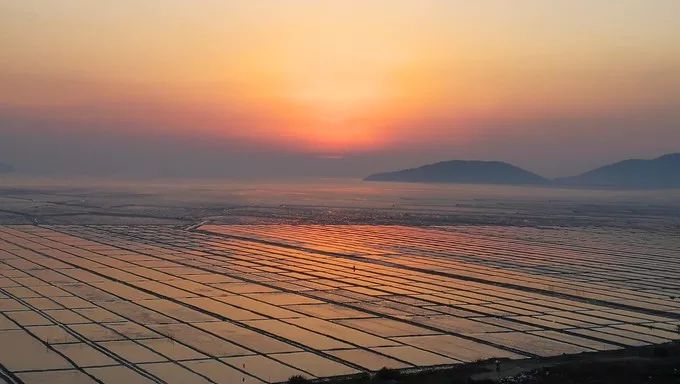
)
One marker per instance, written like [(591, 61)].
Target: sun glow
[(329, 76)]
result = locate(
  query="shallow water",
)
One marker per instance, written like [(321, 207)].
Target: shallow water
[(335, 201), (260, 303)]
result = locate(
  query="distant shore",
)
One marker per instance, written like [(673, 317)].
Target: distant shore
[(635, 365)]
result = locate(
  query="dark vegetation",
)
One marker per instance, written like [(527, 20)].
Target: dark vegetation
[(652, 364), (298, 379)]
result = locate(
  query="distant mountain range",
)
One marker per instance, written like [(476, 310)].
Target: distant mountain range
[(6, 168), (662, 172)]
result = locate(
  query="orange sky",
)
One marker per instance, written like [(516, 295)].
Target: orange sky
[(322, 76)]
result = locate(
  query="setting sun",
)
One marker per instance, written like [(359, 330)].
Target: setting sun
[(353, 77)]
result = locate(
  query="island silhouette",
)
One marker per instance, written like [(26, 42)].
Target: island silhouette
[(6, 168), (464, 172), (661, 172)]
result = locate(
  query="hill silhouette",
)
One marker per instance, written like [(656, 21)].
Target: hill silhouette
[(662, 172), (463, 171), (6, 168)]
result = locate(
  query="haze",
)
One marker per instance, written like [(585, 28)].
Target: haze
[(334, 88)]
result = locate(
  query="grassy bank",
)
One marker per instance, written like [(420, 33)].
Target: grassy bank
[(652, 364)]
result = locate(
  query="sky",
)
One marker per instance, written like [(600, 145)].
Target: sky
[(334, 87)]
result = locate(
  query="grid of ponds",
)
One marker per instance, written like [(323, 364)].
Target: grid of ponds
[(261, 303)]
